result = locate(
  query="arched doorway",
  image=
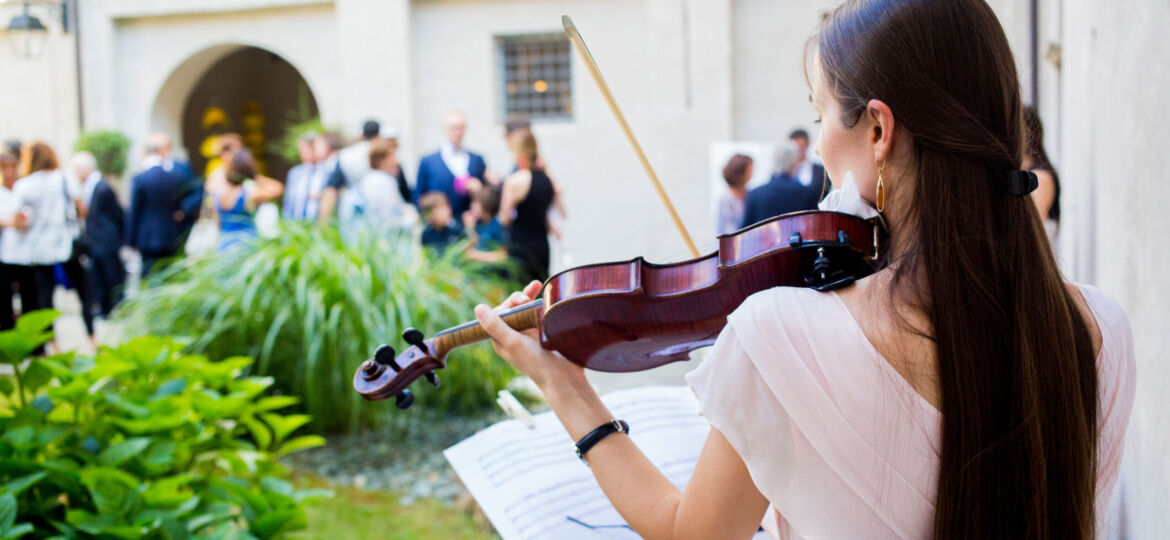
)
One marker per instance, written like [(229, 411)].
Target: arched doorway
[(233, 89), (253, 92)]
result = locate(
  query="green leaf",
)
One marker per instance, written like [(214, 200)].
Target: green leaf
[(250, 387), (272, 403), (160, 457), (18, 530), (73, 391), (171, 387), (171, 529), (303, 442), (272, 524), (21, 436), (15, 347), (283, 426), (253, 503), (35, 322), (258, 430), (154, 423), (7, 511), (6, 386), (114, 492), (36, 375), (118, 453), (15, 487), (50, 435), (169, 492), (277, 485), (127, 406)]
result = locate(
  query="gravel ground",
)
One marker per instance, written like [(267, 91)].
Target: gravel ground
[(407, 461)]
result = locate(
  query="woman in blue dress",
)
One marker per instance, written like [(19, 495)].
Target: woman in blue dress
[(235, 201)]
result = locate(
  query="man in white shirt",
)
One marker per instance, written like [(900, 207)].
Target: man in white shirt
[(296, 192), (354, 161), (327, 171)]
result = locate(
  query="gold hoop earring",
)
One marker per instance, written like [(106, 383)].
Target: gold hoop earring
[(880, 197)]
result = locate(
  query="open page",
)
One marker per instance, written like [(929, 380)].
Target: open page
[(531, 485)]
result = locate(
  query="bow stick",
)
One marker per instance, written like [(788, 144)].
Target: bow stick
[(579, 44)]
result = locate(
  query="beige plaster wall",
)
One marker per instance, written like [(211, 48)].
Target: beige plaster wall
[(38, 96), (1114, 139), (771, 95)]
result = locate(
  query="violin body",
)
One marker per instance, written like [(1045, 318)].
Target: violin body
[(635, 315)]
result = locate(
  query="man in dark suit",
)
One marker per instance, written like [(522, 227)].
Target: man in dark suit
[(155, 222), (783, 194), (452, 170), (105, 227)]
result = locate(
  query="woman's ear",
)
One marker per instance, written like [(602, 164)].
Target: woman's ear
[(881, 128)]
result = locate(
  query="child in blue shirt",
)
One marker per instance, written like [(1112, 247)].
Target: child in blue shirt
[(440, 230), (489, 239)]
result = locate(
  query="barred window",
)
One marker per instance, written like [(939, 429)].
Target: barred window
[(536, 76)]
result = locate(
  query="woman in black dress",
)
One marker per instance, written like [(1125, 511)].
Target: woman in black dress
[(528, 194)]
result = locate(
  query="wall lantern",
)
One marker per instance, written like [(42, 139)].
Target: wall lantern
[(26, 33)]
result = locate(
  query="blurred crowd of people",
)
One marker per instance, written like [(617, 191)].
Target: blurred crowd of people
[(502, 221), (64, 223), (799, 183), (50, 216)]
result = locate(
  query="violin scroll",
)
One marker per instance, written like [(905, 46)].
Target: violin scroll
[(387, 374)]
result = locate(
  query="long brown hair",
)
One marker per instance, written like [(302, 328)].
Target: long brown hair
[(735, 172), (36, 157), (1016, 370), (527, 149)]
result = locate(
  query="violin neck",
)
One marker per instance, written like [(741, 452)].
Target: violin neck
[(518, 318)]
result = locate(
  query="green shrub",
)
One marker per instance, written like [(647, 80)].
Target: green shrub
[(311, 307), (141, 441), (286, 145), (297, 122), (109, 148)]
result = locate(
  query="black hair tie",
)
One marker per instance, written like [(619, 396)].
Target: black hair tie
[(1020, 183)]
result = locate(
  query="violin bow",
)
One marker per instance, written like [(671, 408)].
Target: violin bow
[(583, 51)]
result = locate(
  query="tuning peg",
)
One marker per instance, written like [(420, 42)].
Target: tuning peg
[(404, 399), (385, 356), (415, 337), (432, 378)]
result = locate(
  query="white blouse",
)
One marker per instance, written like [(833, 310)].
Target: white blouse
[(45, 196)]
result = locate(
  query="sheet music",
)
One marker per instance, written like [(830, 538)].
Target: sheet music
[(531, 485)]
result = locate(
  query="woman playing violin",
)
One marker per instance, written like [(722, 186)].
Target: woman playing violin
[(962, 391)]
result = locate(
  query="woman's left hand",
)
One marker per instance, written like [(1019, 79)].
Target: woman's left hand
[(548, 369)]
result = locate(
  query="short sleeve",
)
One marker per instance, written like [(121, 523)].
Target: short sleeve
[(336, 177), (735, 399), (1116, 383)]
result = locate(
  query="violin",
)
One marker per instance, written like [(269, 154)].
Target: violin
[(635, 315)]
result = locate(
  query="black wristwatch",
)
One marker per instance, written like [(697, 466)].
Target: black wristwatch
[(595, 436)]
